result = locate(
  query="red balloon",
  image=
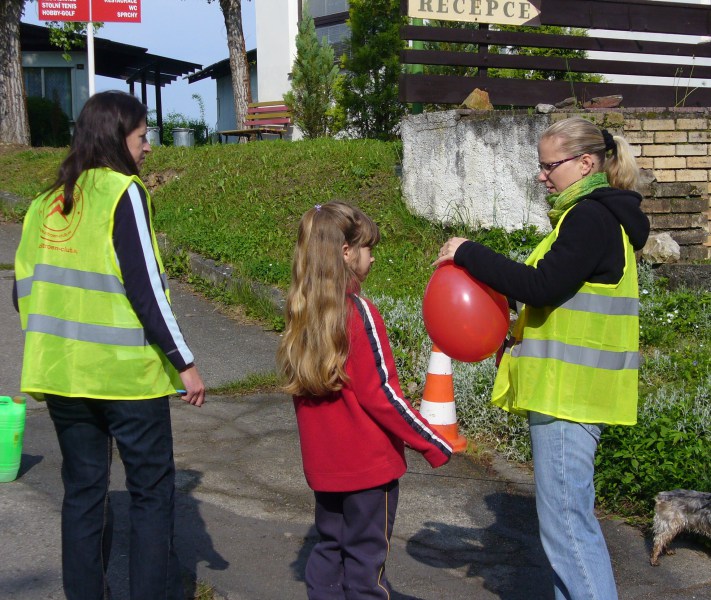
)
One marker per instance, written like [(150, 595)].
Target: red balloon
[(465, 318)]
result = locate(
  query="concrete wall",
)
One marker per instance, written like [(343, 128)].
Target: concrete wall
[(477, 168), (480, 167)]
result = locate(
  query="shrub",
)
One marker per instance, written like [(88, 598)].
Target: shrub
[(670, 447), (368, 93), (49, 125), (313, 81)]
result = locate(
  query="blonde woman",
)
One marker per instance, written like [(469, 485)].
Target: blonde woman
[(353, 419), (571, 364)]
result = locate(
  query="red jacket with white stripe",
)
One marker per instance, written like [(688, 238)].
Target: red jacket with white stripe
[(354, 439)]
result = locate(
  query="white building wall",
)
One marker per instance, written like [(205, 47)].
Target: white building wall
[(276, 28)]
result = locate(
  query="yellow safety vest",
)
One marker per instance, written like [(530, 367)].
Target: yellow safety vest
[(82, 337), (577, 361)]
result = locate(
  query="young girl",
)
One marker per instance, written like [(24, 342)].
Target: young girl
[(353, 419)]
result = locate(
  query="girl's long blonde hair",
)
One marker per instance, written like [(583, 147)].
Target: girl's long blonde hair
[(314, 348), (580, 136)]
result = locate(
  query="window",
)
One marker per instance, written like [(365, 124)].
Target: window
[(53, 83), (337, 36), (323, 8)]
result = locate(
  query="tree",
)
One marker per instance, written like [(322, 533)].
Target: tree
[(314, 76), (232, 12), (67, 35), (14, 122), (14, 126), (369, 94)]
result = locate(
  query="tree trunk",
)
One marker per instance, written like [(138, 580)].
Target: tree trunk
[(14, 127), (232, 11)]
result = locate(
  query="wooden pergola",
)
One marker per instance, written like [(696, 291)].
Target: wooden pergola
[(133, 64)]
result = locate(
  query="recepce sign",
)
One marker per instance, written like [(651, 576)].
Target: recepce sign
[(502, 12)]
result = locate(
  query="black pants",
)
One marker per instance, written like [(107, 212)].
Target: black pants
[(348, 562), (142, 430)]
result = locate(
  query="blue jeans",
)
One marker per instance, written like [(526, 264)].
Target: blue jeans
[(142, 430), (563, 463)]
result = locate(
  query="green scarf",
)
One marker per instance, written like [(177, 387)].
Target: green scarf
[(572, 194)]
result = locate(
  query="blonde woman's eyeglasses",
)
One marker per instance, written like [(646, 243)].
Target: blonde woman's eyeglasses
[(548, 167)]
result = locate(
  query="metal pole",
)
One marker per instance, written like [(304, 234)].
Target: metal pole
[(90, 52)]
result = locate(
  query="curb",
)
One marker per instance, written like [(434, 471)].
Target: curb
[(223, 275), (11, 198)]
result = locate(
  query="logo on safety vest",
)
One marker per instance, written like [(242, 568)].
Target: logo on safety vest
[(56, 226)]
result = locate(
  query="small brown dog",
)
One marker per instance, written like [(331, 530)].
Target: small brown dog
[(677, 511)]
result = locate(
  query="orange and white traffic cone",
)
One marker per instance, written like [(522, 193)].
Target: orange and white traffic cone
[(438, 400)]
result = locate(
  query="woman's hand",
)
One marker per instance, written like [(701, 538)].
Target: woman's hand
[(194, 387), (447, 251)]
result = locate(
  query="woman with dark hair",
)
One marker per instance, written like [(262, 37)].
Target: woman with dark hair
[(571, 365), (103, 348)]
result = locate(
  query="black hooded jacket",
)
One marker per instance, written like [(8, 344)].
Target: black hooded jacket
[(588, 248)]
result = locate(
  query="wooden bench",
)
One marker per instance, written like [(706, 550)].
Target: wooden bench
[(271, 118)]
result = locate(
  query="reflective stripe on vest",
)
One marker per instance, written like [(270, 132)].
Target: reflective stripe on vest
[(85, 332), (607, 305), (576, 355), (70, 277)]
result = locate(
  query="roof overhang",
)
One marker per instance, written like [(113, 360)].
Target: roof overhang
[(220, 69), (114, 59)]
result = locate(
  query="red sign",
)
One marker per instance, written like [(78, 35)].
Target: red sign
[(63, 10), (116, 11), (102, 11)]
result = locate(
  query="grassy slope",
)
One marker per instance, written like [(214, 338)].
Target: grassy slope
[(242, 203)]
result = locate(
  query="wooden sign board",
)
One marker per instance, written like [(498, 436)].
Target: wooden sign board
[(501, 12)]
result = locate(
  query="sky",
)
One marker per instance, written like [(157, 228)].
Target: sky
[(190, 30)]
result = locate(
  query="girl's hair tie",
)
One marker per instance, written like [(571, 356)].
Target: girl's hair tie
[(317, 207), (609, 141)]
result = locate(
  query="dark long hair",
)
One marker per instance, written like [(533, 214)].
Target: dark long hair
[(100, 140)]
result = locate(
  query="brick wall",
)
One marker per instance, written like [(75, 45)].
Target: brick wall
[(673, 148)]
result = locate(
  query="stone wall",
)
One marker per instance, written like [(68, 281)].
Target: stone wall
[(673, 149), (480, 167)]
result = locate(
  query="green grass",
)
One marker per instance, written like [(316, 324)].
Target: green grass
[(28, 172), (251, 384), (241, 204)]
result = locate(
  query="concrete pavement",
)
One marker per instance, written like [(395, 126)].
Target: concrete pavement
[(245, 514)]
